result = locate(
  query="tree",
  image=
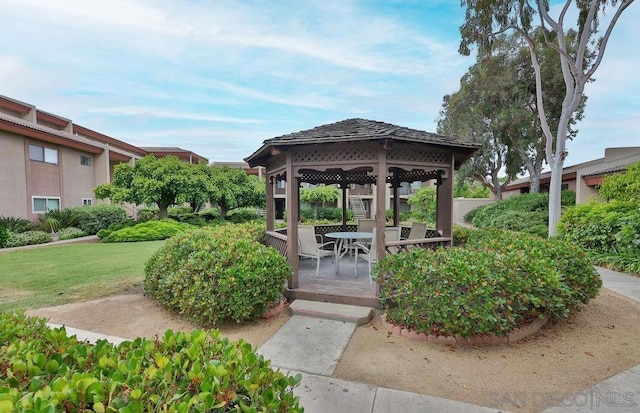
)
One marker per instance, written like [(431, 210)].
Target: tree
[(467, 188), (231, 188), (162, 181), (476, 112), (496, 105), (318, 196), (623, 187), (423, 204), (485, 19)]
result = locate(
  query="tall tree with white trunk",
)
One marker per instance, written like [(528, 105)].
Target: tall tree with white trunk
[(594, 23)]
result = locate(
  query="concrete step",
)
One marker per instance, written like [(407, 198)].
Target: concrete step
[(331, 311)]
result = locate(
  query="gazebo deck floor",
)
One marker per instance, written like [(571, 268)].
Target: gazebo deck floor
[(341, 288)]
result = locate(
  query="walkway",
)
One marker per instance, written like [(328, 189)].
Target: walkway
[(295, 349)]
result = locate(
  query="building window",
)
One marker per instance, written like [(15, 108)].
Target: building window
[(281, 184), (85, 161), (564, 187), (87, 201), (42, 154), (43, 205)]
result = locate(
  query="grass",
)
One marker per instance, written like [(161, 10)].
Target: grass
[(54, 275)]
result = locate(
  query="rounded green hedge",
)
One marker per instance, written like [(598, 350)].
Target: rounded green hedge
[(146, 231), (494, 282), (216, 274), (44, 370)]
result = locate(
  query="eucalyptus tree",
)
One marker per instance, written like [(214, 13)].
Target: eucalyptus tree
[(484, 20), (479, 112)]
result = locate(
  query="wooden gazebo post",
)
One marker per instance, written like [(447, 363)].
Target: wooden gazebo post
[(293, 192)]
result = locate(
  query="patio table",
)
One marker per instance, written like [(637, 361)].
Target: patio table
[(340, 248)]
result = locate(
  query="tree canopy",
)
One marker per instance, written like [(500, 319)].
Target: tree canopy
[(231, 188), (496, 106), (162, 181), (485, 19)]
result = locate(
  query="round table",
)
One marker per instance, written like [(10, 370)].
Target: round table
[(340, 249)]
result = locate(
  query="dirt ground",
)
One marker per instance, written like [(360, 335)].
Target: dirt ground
[(563, 359)]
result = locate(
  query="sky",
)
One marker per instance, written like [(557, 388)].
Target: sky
[(220, 77)]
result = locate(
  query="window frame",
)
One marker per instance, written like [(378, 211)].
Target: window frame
[(46, 203), (46, 155), (87, 201), (85, 161)]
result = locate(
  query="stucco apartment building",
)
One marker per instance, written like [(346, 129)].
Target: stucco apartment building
[(47, 162)]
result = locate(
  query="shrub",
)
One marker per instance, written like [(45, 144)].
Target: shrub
[(191, 218), (28, 238), (609, 231), (114, 227), (147, 231), (49, 223), (93, 218), (214, 274), (328, 214), (147, 214), (4, 236), (526, 213), (469, 216), (493, 283), (16, 224), (46, 371), (241, 215), (68, 217), (70, 233), (624, 187), (210, 214)]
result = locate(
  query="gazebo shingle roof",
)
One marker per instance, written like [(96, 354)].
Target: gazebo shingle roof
[(357, 129)]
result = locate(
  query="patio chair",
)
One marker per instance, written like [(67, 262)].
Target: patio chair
[(369, 254), (364, 225), (310, 245), (418, 230)]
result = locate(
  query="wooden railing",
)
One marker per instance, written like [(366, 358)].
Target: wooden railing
[(278, 241), (394, 247)]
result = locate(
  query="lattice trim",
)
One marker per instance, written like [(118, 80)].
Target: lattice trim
[(411, 154), (335, 154)]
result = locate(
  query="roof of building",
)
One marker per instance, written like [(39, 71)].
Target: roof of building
[(617, 165), (357, 129)]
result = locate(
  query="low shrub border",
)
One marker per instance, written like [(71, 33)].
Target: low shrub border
[(44, 370)]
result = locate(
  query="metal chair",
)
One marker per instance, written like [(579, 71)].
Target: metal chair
[(418, 230), (369, 254), (310, 245)]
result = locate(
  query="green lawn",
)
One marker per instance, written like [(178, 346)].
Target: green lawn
[(53, 275)]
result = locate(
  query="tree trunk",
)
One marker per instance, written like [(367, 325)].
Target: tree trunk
[(555, 196), (163, 211)]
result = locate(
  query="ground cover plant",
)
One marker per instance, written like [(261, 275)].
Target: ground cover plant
[(493, 282), (215, 274), (27, 238), (525, 213), (61, 274), (44, 370), (147, 231)]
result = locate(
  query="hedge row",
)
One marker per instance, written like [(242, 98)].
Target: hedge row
[(495, 281), (44, 370)]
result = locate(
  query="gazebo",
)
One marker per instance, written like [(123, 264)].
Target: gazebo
[(358, 151)]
